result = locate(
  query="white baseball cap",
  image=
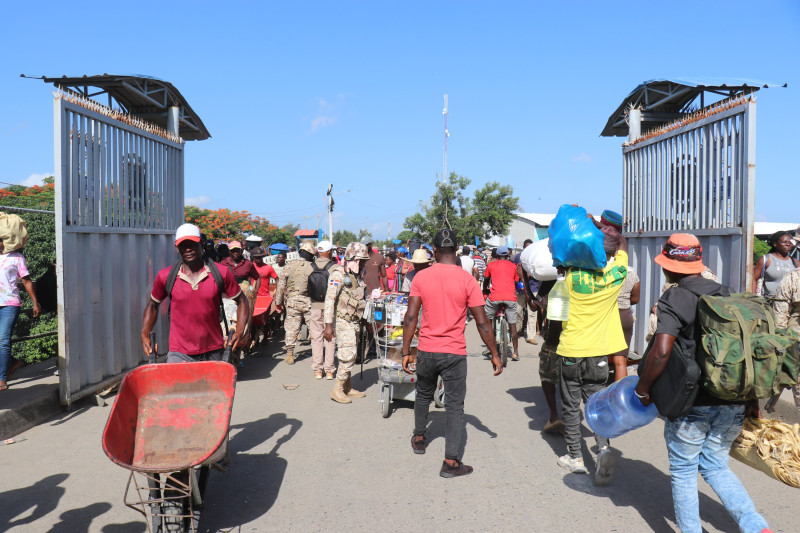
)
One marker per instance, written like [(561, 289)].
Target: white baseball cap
[(324, 246), (187, 232)]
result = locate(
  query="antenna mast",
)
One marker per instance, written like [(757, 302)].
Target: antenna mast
[(446, 135)]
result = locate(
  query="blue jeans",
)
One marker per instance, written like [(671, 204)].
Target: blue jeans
[(8, 317), (701, 441)]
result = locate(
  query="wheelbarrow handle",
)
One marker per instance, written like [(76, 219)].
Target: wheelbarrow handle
[(151, 358), (226, 354)]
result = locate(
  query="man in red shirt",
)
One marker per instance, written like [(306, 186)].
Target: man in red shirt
[(502, 274), (444, 291), (195, 333)]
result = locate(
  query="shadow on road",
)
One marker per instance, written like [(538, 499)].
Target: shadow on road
[(250, 487), (42, 496), (436, 428), (647, 489), (539, 414), (79, 520)]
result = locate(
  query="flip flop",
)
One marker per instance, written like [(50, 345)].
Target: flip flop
[(3, 385)]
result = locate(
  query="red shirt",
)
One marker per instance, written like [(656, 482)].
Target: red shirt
[(504, 278), (446, 291), (195, 328), (265, 272)]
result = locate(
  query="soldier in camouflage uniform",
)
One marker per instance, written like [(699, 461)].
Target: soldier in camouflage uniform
[(293, 290), (346, 300), (787, 311)]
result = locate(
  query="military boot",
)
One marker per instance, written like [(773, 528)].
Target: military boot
[(290, 356), (350, 391), (338, 394)]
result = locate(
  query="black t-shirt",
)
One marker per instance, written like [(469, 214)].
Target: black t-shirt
[(677, 311)]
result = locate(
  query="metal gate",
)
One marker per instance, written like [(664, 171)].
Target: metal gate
[(119, 199), (694, 176)]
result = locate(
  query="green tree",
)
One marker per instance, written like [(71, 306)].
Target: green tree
[(344, 237), (488, 212)]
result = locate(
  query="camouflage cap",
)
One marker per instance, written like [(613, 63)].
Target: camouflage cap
[(356, 250), (308, 247)]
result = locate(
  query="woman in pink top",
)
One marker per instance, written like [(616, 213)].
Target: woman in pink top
[(12, 269)]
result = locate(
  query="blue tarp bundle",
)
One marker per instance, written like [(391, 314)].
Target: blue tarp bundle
[(575, 241)]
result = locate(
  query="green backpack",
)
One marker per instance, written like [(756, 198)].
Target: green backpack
[(741, 353)]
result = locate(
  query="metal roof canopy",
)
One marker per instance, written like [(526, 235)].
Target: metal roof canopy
[(144, 96), (663, 101)]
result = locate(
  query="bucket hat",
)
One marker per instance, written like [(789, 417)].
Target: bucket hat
[(682, 254)]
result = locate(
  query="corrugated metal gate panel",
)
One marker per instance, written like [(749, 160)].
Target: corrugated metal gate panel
[(119, 198), (698, 178)]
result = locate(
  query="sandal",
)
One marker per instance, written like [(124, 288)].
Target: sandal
[(3, 385)]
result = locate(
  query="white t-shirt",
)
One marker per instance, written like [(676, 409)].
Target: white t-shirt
[(467, 263), (12, 269)]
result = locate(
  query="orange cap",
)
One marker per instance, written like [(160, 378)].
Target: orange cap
[(682, 254)]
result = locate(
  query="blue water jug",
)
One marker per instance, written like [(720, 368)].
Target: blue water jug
[(616, 410)]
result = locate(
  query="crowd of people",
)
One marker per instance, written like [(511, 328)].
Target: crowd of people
[(449, 284)]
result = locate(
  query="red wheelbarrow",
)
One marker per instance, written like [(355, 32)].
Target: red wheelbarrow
[(168, 425)]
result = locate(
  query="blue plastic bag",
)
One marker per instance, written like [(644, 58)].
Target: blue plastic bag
[(575, 241)]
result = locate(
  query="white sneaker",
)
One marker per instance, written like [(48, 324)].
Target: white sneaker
[(605, 467), (573, 464)]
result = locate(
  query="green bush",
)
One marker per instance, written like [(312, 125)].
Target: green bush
[(39, 253), (760, 248)]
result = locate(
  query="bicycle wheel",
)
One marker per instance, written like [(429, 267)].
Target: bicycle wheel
[(503, 346)]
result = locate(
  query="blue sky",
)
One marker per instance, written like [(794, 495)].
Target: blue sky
[(300, 94)]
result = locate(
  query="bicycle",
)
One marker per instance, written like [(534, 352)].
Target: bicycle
[(502, 337)]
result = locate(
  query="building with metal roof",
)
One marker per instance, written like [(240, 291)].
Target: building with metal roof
[(146, 97), (663, 101)]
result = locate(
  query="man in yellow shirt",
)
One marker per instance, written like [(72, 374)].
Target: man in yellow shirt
[(592, 332)]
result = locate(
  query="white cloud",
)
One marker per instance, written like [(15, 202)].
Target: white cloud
[(322, 121), (196, 201), (35, 179), (582, 158)]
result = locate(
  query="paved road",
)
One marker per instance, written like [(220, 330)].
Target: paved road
[(301, 462)]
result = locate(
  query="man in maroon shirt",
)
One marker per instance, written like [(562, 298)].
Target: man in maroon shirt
[(195, 333), (502, 274)]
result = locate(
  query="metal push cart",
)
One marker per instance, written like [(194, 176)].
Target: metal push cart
[(386, 316), (168, 425)]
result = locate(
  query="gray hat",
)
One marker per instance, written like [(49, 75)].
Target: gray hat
[(367, 239)]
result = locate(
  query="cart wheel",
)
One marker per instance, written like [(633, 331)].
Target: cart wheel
[(386, 401), (438, 394)]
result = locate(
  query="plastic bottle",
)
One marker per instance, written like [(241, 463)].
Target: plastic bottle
[(616, 410), (558, 301)]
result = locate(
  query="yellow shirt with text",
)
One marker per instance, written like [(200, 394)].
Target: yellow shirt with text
[(593, 327)]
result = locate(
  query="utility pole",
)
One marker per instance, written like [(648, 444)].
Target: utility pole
[(330, 210), (446, 135), (317, 214)]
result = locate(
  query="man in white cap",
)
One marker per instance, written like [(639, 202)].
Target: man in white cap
[(317, 287), (195, 290)]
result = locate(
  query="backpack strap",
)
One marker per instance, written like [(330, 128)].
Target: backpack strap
[(749, 376), (172, 276), (215, 273)]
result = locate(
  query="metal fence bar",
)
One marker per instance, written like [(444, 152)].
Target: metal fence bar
[(697, 178)]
